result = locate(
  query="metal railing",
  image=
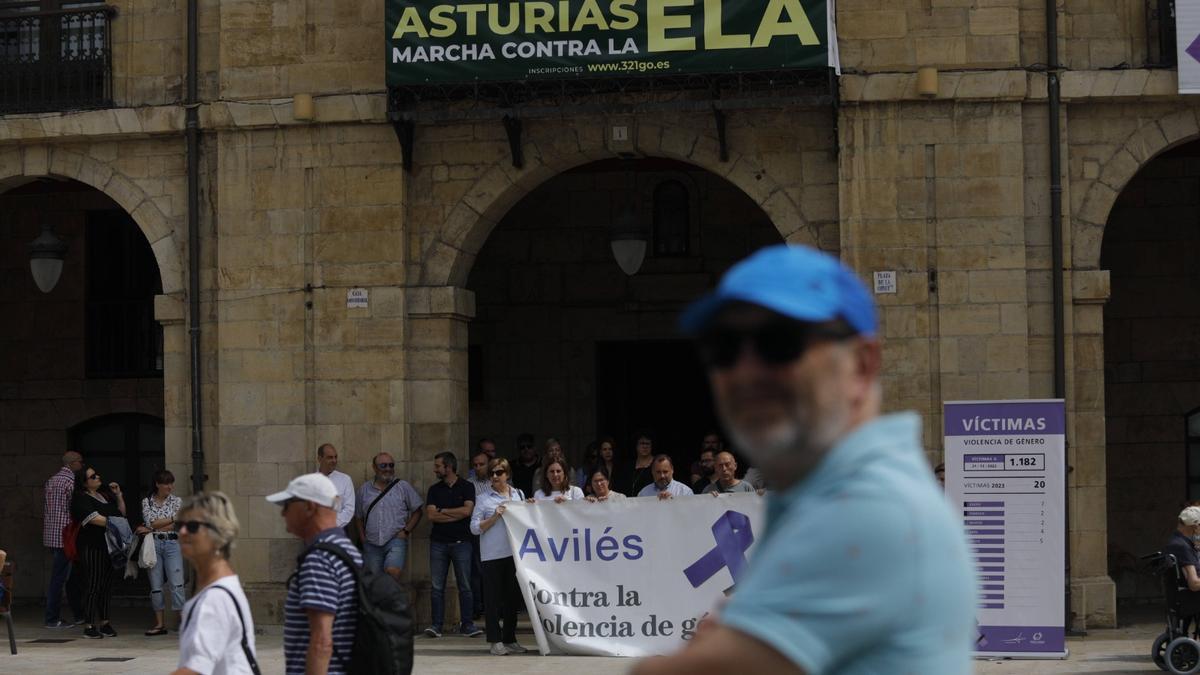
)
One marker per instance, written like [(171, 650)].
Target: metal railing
[(55, 60), (1160, 33)]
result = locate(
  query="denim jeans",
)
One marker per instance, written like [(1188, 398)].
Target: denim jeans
[(391, 554), (169, 564), (441, 554), (60, 574)]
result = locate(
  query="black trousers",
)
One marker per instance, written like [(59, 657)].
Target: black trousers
[(476, 577), (98, 573), (501, 596)]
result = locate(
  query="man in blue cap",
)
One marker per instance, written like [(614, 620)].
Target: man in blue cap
[(862, 567)]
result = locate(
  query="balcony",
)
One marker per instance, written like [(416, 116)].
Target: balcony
[(55, 59)]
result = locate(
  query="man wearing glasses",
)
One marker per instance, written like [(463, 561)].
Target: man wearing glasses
[(526, 465), (861, 567), (388, 511)]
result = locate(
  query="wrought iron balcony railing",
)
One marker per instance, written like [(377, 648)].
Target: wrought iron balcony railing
[(57, 59)]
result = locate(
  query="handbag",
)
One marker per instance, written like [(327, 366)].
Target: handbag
[(70, 533), (148, 558)]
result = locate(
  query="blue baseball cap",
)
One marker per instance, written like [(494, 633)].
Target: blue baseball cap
[(796, 281)]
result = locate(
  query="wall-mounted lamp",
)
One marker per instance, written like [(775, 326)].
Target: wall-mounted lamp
[(628, 240), (46, 254), (302, 107), (927, 82)]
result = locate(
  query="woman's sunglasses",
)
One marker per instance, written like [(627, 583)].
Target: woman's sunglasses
[(498, 472), (776, 343), (193, 526)]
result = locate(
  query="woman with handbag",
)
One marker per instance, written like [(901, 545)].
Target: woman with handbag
[(158, 516), (91, 507), (217, 634)]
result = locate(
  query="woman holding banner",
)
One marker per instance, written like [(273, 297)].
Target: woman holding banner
[(600, 488), (556, 484), (500, 591)]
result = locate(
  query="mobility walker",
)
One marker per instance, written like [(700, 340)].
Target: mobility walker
[(1175, 650)]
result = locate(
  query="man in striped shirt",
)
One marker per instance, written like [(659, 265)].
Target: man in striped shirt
[(320, 613)]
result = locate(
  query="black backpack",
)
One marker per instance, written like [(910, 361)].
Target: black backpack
[(383, 636)]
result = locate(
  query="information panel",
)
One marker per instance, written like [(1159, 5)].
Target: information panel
[(1005, 474)]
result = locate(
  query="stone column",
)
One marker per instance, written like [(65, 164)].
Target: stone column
[(436, 412), (1093, 593)]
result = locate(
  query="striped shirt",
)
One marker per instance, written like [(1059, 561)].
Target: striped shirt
[(324, 583), (57, 513)]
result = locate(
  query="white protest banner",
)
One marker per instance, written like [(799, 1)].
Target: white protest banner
[(1187, 45), (630, 577)]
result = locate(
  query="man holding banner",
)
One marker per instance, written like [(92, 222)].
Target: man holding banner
[(862, 567)]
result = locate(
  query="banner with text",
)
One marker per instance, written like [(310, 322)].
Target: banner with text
[(1005, 472), (631, 577), (441, 42), (1187, 45)]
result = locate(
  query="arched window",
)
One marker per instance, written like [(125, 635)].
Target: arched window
[(1192, 430), (123, 339), (672, 214)]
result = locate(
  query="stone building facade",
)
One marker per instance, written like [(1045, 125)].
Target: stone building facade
[(466, 251)]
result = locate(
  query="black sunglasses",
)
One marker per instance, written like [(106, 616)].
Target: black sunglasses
[(193, 526), (525, 446), (775, 342), (389, 465), (499, 472), (95, 475)]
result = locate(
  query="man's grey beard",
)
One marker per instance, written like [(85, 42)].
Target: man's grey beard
[(796, 444)]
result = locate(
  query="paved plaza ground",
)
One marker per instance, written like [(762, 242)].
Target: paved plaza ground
[(1123, 650)]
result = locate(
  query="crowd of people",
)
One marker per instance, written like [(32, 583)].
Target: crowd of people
[(789, 340)]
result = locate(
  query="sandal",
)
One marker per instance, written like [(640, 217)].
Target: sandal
[(157, 631)]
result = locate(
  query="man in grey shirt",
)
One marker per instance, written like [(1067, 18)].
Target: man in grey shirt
[(725, 472), (385, 525), (665, 485)]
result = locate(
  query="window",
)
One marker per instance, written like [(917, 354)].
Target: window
[(1192, 433), (123, 339), (672, 213), (54, 55)]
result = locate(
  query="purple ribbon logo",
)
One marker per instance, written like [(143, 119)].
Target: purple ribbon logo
[(733, 537)]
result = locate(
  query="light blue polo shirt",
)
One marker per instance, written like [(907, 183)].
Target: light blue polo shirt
[(863, 567)]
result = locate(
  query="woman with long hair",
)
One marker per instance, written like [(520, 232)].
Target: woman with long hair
[(556, 483), (91, 506), (500, 591), (217, 635), (641, 473)]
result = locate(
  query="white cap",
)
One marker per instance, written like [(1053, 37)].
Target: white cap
[(311, 487)]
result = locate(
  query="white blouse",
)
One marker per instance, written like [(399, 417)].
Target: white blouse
[(152, 510)]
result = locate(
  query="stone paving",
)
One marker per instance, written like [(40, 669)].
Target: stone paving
[(1122, 650)]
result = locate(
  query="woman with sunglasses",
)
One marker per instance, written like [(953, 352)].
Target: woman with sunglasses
[(217, 634), (500, 591), (91, 506), (158, 515)]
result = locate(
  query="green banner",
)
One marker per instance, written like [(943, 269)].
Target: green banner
[(506, 40)]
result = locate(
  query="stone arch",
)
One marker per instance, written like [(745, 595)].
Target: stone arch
[(450, 253), (1150, 140), (24, 164)]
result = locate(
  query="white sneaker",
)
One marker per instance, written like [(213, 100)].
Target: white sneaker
[(498, 649), (514, 648)]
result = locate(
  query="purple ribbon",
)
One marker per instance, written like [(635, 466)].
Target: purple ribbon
[(733, 537)]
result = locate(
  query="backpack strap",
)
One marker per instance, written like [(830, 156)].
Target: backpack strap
[(245, 639), (367, 514)]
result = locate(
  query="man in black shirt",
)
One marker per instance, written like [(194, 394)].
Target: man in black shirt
[(449, 504), (526, 465)]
